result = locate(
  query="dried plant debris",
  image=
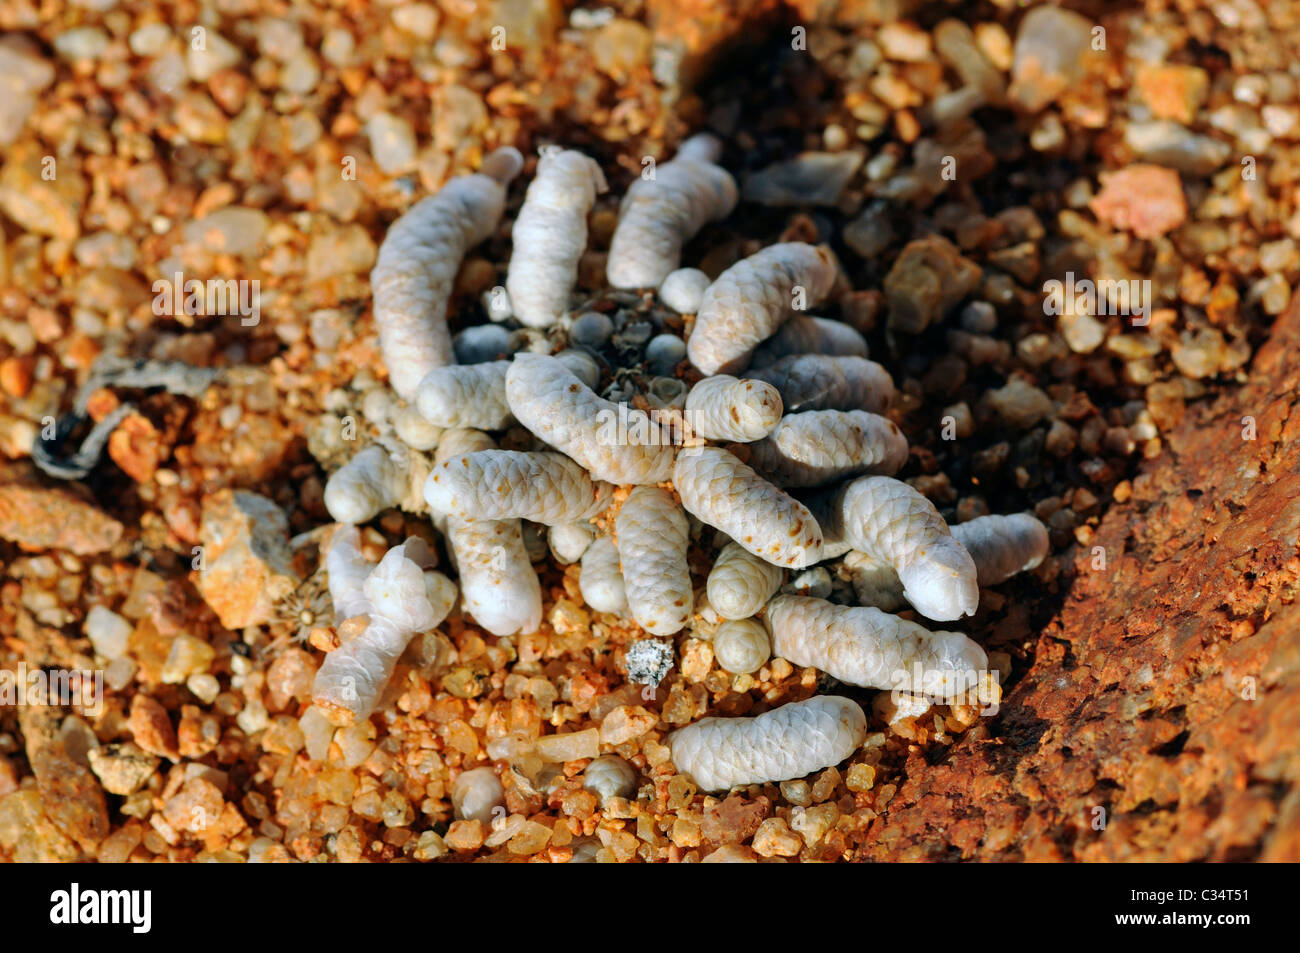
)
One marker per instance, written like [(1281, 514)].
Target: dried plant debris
[(495, 480), (113, 373)]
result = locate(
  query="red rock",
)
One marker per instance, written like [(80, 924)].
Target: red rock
[(151, 728), (52, 518), (16, 376), (734, 820), (137, 447), (1147, 200), (1146, 698)]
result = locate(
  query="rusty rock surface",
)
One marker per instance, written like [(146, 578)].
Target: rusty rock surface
[(39, 516), (1159, 719)]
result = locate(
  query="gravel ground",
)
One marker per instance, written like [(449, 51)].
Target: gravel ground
[(954, 165)]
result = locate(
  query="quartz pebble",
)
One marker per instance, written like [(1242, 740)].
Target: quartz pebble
[(811, 178), (1049, 52), (108, 632)]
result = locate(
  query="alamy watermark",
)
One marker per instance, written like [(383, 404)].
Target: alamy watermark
[(133, 908), (212, 297), (38, 687), (1106, 297)]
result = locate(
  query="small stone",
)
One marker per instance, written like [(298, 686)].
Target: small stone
[(591, 329), (279, 37), (733, 820), (356, 742), (196, 808), (928, 277), (730, 854), (16, 376), (1048, 134), (697, 660), (860, 777), (283, 735), (338, 46), (811, 178), (430, 846), (664, 353), (392, 143), (685, 833), (648, 661), (864, 59), (1147, 200), (40, 202), (246, 566), (625, 723), (1169, 144), (458, 115), (797, 793), (957, 46), (814, 823), (1019, 260), (340, 250), (572, 746), (188, 656), (1020, 404), (301, 73), (137, 447), (204, 686), (1282, 122), (217, 54), (1048, 56), (108, 632), (1199, 353), (620, 47), (151, 728), (232, 230), (23, 75), (1173, 91), (1061, 439), (465, 835), (104, 249), (1273, 293), (81, 43), (149, 40), (979, 317), (396, 810), (120, 673), (317, 733), (775, 839), (290, 678), (1082, 332), (901, 40), (1281, 255), (122, 769), (420, 20), (33, 838), (871, 232), (530, 839), (52, 518), (484, 342)]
